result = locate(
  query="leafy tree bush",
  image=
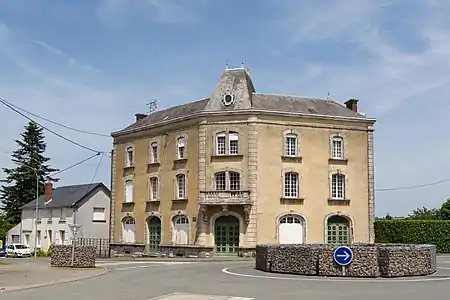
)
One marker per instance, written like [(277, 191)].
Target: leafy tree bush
[(436, 232)]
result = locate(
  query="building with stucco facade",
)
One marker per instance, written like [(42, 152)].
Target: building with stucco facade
[(241, 168)]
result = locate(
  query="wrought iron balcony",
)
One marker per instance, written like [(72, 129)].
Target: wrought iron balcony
[(240, 197)]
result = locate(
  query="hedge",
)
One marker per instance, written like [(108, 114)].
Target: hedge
[(434, 232)]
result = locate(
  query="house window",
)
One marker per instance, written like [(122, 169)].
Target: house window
[(221, 143), (220, 180), (99, 214), (338, 186), (153, 188), (337, 147), (62, 237), (50, 214), (291, 185), (233, 141), (62, 214), (50, 236), (291, 145), (129, 191), (181, 148), (129, 158), (235, 181), (181, 186), (154, 152), (38, 238)]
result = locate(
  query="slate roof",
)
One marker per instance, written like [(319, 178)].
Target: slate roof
[(68, 196), (259, 101)]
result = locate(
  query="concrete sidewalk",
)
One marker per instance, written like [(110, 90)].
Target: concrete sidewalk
[(19, 275)]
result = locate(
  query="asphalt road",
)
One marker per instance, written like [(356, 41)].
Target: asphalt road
[(145, 280)]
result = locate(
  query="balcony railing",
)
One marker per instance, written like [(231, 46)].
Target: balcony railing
[(224, 197)]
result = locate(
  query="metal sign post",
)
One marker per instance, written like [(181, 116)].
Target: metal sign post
[(75, 230), (343, 256)]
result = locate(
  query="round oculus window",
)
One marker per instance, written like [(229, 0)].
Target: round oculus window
[(228, 99)]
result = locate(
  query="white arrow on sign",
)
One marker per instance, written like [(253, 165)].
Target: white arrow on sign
[(346, 255)]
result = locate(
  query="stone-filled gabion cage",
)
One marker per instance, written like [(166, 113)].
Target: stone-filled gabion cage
[(62, 256), (369, 260)]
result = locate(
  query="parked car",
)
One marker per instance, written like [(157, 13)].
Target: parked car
[(18, 250), (2, 251)]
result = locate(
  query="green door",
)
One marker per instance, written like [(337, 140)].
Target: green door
[(338, 230), (227, 235), (154, 234)]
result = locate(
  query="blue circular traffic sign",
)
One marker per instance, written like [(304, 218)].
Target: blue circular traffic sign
[(343, 255)]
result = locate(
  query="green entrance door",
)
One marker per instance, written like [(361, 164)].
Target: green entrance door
[(226, 235), (154, 233)]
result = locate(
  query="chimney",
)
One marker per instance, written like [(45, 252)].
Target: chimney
[(48, 190), (352, 104), (139, 116)]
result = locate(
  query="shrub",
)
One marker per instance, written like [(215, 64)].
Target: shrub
[(436, 232), (41, 253)]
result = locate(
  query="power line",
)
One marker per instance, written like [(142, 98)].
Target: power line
[(46, 128), (54, 122), (74, 165), (411, 187)]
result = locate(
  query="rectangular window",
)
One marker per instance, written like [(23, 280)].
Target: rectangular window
[(338, 186), (235, 181), (38, 238), (337, 148), (154, 154), (221, 144), (50, 236), (62, 237), (220, 181), (291, 185), (153, 188), (128, 191), (290, 146), (63, 214), (99, 214), (129, 157), (181, 144), (181, 186), (233, 138), (50, 214)]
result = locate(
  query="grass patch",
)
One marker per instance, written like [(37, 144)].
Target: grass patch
[(75, 268)]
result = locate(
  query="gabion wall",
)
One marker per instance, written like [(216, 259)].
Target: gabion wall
[(369, 260), (62, 256)]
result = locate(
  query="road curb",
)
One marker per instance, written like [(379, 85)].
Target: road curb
[(179, 260), (39, 285)]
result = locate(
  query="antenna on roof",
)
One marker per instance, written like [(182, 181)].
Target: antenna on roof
[(328, 96), (226, 64), (242, 64), (152, 105)]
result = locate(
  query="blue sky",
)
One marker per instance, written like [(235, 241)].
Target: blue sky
[(93, 64)]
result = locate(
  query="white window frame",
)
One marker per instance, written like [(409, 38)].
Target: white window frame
[(222, 185), (129, 157), (291, 183), (154, 152), (288, 147), (181, 147), (153, 188), (99, 214), (338, 186), (62, 216), (233, 137), (237, 185), (126, 200), (181, 191), (220, 151), (337, 147)]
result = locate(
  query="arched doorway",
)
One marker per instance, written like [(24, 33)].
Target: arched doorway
[(291, 230), (338, 230), (128, 230), (154, 233), (180, 235), (226, 234)]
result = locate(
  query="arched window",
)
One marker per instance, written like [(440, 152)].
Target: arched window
[(291, 185), (129, 157), (220, 181), (291, 230), (180, 234), (128, 230), (338, 187)]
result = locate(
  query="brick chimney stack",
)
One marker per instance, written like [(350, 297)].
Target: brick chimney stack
[(352, 104), (139, 116), (48, 190)]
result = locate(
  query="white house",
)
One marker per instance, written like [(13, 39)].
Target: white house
[(87, 205)]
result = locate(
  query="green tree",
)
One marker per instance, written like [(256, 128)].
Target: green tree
[(445, 210), (5, 226), (425, 214), (20, 184)]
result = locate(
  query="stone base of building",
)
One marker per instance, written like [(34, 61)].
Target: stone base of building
[(371, 260), (124, 249), (186, 251), (247, 252)]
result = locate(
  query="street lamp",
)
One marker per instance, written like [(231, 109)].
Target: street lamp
[(37, 208)]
